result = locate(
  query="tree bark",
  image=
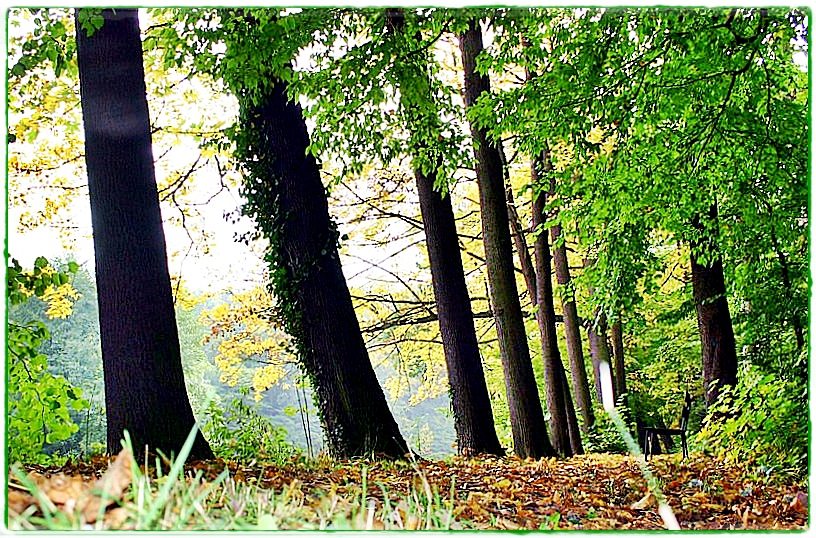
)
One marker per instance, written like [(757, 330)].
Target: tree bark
[(526, 416), (473, 416), (530, 276), (470, 400), (290, 204), (144, 382), (616, 332), (550, 354), (572, 331), (719, 352), (572, 323)]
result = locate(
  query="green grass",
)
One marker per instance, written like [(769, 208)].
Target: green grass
[(184, 500)]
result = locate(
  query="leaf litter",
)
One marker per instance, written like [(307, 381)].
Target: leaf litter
[(595, 491)]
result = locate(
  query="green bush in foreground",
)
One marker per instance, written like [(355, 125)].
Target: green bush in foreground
[(763, 421)]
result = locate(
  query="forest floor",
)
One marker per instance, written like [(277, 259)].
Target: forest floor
[(597, 491)]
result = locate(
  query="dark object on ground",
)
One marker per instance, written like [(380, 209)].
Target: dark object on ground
[(652, 433)]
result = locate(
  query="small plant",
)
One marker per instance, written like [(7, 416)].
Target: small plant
[(240, 433)]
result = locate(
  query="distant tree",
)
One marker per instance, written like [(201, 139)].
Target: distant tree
[(144, 381)]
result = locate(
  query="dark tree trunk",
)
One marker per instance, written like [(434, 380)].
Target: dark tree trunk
[(713, 317), (619, 369), (289, 201), (550, 354), (526, 416), (572, 329), (470, 400), (473, 416), (144, 381), (529, 272)]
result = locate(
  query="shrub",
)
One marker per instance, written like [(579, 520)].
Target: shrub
[(763, 421), (240, 433)]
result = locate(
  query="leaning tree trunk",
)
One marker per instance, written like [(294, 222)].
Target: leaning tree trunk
[(719, 350), (526, 415), (287, 198), (144, 381), (470, 400), (473, 416)]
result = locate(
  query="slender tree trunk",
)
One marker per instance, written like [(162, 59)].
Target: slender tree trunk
[(526, 416), (470, 400), (473, 416), (616, 332), (550, 354), (144, 381), (572, 326), (713, 317), (289, 201), (529, 272)]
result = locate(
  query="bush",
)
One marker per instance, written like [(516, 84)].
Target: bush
[(763, 421), (240, 433)]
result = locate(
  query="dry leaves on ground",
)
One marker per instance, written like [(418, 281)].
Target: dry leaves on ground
[(597, 491)]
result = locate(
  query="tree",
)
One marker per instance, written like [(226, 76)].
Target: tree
[(527, 418), (287, 199), (473, 417), (556, 386), (719, 349), (144, 381)]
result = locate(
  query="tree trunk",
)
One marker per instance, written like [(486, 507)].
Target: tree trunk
[(572, 328), (529, 272), (719, 350), (572, 333), (287, 198), (550, 354), (144, 381), (617, 353), (470, 400), (473, 416), (526, 416)]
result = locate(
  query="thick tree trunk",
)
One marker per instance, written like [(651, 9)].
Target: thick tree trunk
[(290, 204), (526, 416), (144, 381), (470, 400), (719, 350), (473, 416), (550, 354), (616, 332)]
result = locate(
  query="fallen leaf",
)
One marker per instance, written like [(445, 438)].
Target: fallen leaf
[(108, 488), (800, 503)]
